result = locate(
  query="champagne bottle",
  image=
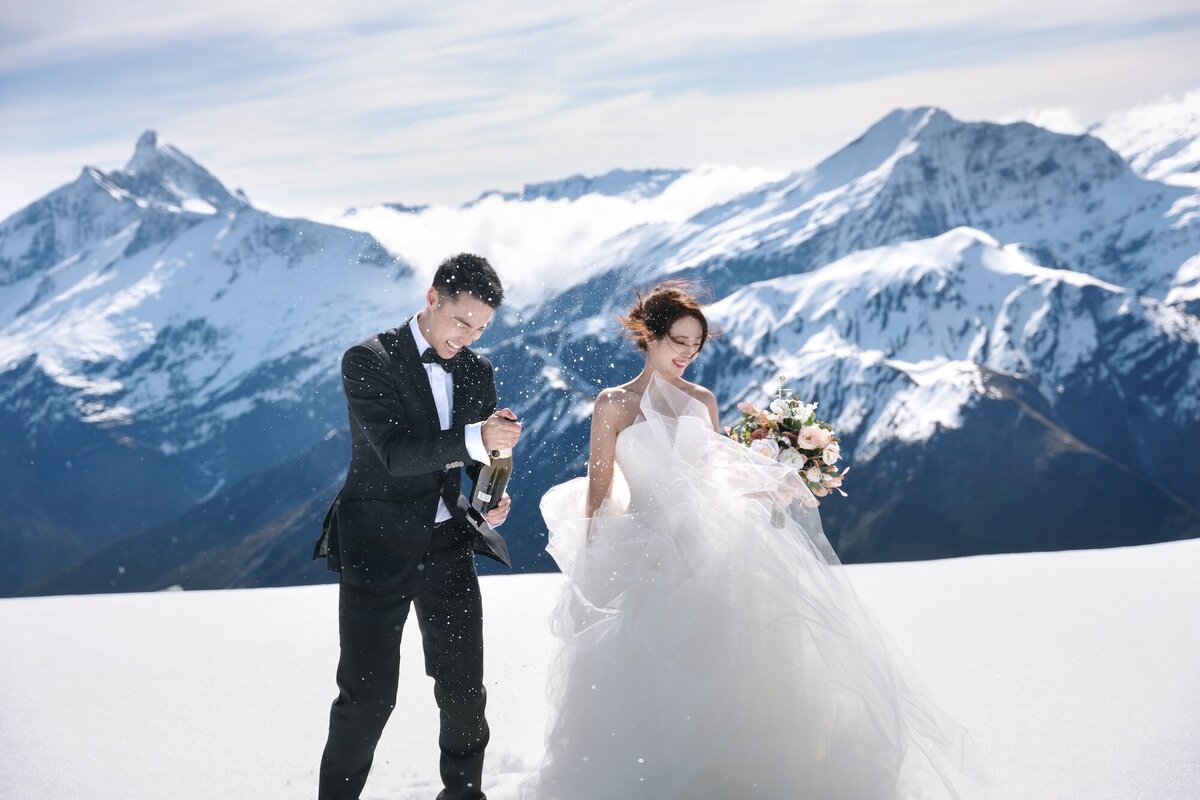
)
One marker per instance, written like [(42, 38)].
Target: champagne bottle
[(492, 481)]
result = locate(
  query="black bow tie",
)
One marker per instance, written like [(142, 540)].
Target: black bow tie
[(430, 356)]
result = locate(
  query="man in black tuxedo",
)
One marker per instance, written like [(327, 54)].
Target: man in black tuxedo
[(421, 406)]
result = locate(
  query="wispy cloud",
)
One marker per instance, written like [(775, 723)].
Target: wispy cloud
[(308, 105)]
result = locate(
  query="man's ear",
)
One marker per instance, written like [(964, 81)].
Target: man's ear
[(431, 297)]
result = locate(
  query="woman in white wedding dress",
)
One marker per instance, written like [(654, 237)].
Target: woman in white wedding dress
[(709, 648)]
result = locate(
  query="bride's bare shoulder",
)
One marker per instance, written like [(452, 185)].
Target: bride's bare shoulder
[(617, 404), (618, 395)]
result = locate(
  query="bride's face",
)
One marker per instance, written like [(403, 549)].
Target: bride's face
[(672, 354)]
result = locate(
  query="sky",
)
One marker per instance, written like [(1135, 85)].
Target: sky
[(313, 106)]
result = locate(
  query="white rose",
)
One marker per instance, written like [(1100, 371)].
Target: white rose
[(766, 447), (781, 408), (792, 457), (831, 453), (804, 412), (813, 475)]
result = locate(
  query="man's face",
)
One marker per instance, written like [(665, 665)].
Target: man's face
[(451, 323)]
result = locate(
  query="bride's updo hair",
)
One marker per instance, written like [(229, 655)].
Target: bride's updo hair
[(655, 312)]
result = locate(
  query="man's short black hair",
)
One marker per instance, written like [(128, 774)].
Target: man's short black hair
[(472, 274)]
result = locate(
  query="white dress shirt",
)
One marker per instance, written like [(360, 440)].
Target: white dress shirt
[(442, 384)]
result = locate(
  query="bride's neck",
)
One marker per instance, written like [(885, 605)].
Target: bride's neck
[(640, 383)]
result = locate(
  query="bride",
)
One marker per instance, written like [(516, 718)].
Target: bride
[(709, 648)]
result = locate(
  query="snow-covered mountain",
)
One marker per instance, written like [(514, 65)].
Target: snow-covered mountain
[(159, 338), (997, 317), (948, 280), (936, 313), (1161, 140), (911, 346), (1069, 201), (97, 205), (630, 184)]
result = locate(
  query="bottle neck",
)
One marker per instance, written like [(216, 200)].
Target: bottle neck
[(507, 453)]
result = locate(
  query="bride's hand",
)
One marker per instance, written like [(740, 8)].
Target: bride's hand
[(783, 493)]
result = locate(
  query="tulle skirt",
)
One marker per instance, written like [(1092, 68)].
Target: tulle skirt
[(710, 645)]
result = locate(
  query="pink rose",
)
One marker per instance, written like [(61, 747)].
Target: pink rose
[(813, 437), (747, 408)]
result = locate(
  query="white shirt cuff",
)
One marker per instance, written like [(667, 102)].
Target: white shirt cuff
[(474, 439)]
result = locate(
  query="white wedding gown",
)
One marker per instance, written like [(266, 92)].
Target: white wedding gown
[(711, 648)]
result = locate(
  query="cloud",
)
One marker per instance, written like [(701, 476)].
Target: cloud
[(306, 105), (1059, 120)]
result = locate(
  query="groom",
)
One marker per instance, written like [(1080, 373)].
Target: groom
[(421, 405)]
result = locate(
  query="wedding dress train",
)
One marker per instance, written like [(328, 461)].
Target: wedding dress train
[(710, 645)]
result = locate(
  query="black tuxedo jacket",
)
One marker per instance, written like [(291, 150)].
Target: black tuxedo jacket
[(377, 530)]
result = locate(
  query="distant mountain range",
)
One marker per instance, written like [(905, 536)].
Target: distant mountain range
[(1158, 139), (1002, 321)]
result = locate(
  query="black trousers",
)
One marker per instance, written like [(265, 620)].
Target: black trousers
[(449, 613)]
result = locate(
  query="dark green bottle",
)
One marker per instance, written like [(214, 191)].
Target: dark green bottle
[(492, 481)]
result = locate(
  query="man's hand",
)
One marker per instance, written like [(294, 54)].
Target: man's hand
[(498, 514), (501, 430)]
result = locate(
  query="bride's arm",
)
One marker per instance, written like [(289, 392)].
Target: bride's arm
[(602, 450)]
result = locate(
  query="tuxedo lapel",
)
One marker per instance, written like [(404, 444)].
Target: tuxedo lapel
[(461, 398), (469, 389), (406, 356)]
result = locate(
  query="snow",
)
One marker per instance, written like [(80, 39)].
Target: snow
[(1187, 282), (1161, 140), (1078, 674), (920, 169), (934, 311), (225, 292), (221, 280), (934, 400), (198, 206)]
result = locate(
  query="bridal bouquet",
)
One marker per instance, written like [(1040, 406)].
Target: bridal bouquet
[(789, 432)]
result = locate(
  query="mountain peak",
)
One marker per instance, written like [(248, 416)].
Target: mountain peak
[(146, 145), (905, 124), (640, 184), (147, 154), (888, 138), (160, 172)]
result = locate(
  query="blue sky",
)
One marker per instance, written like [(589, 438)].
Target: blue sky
[(308, 106)]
